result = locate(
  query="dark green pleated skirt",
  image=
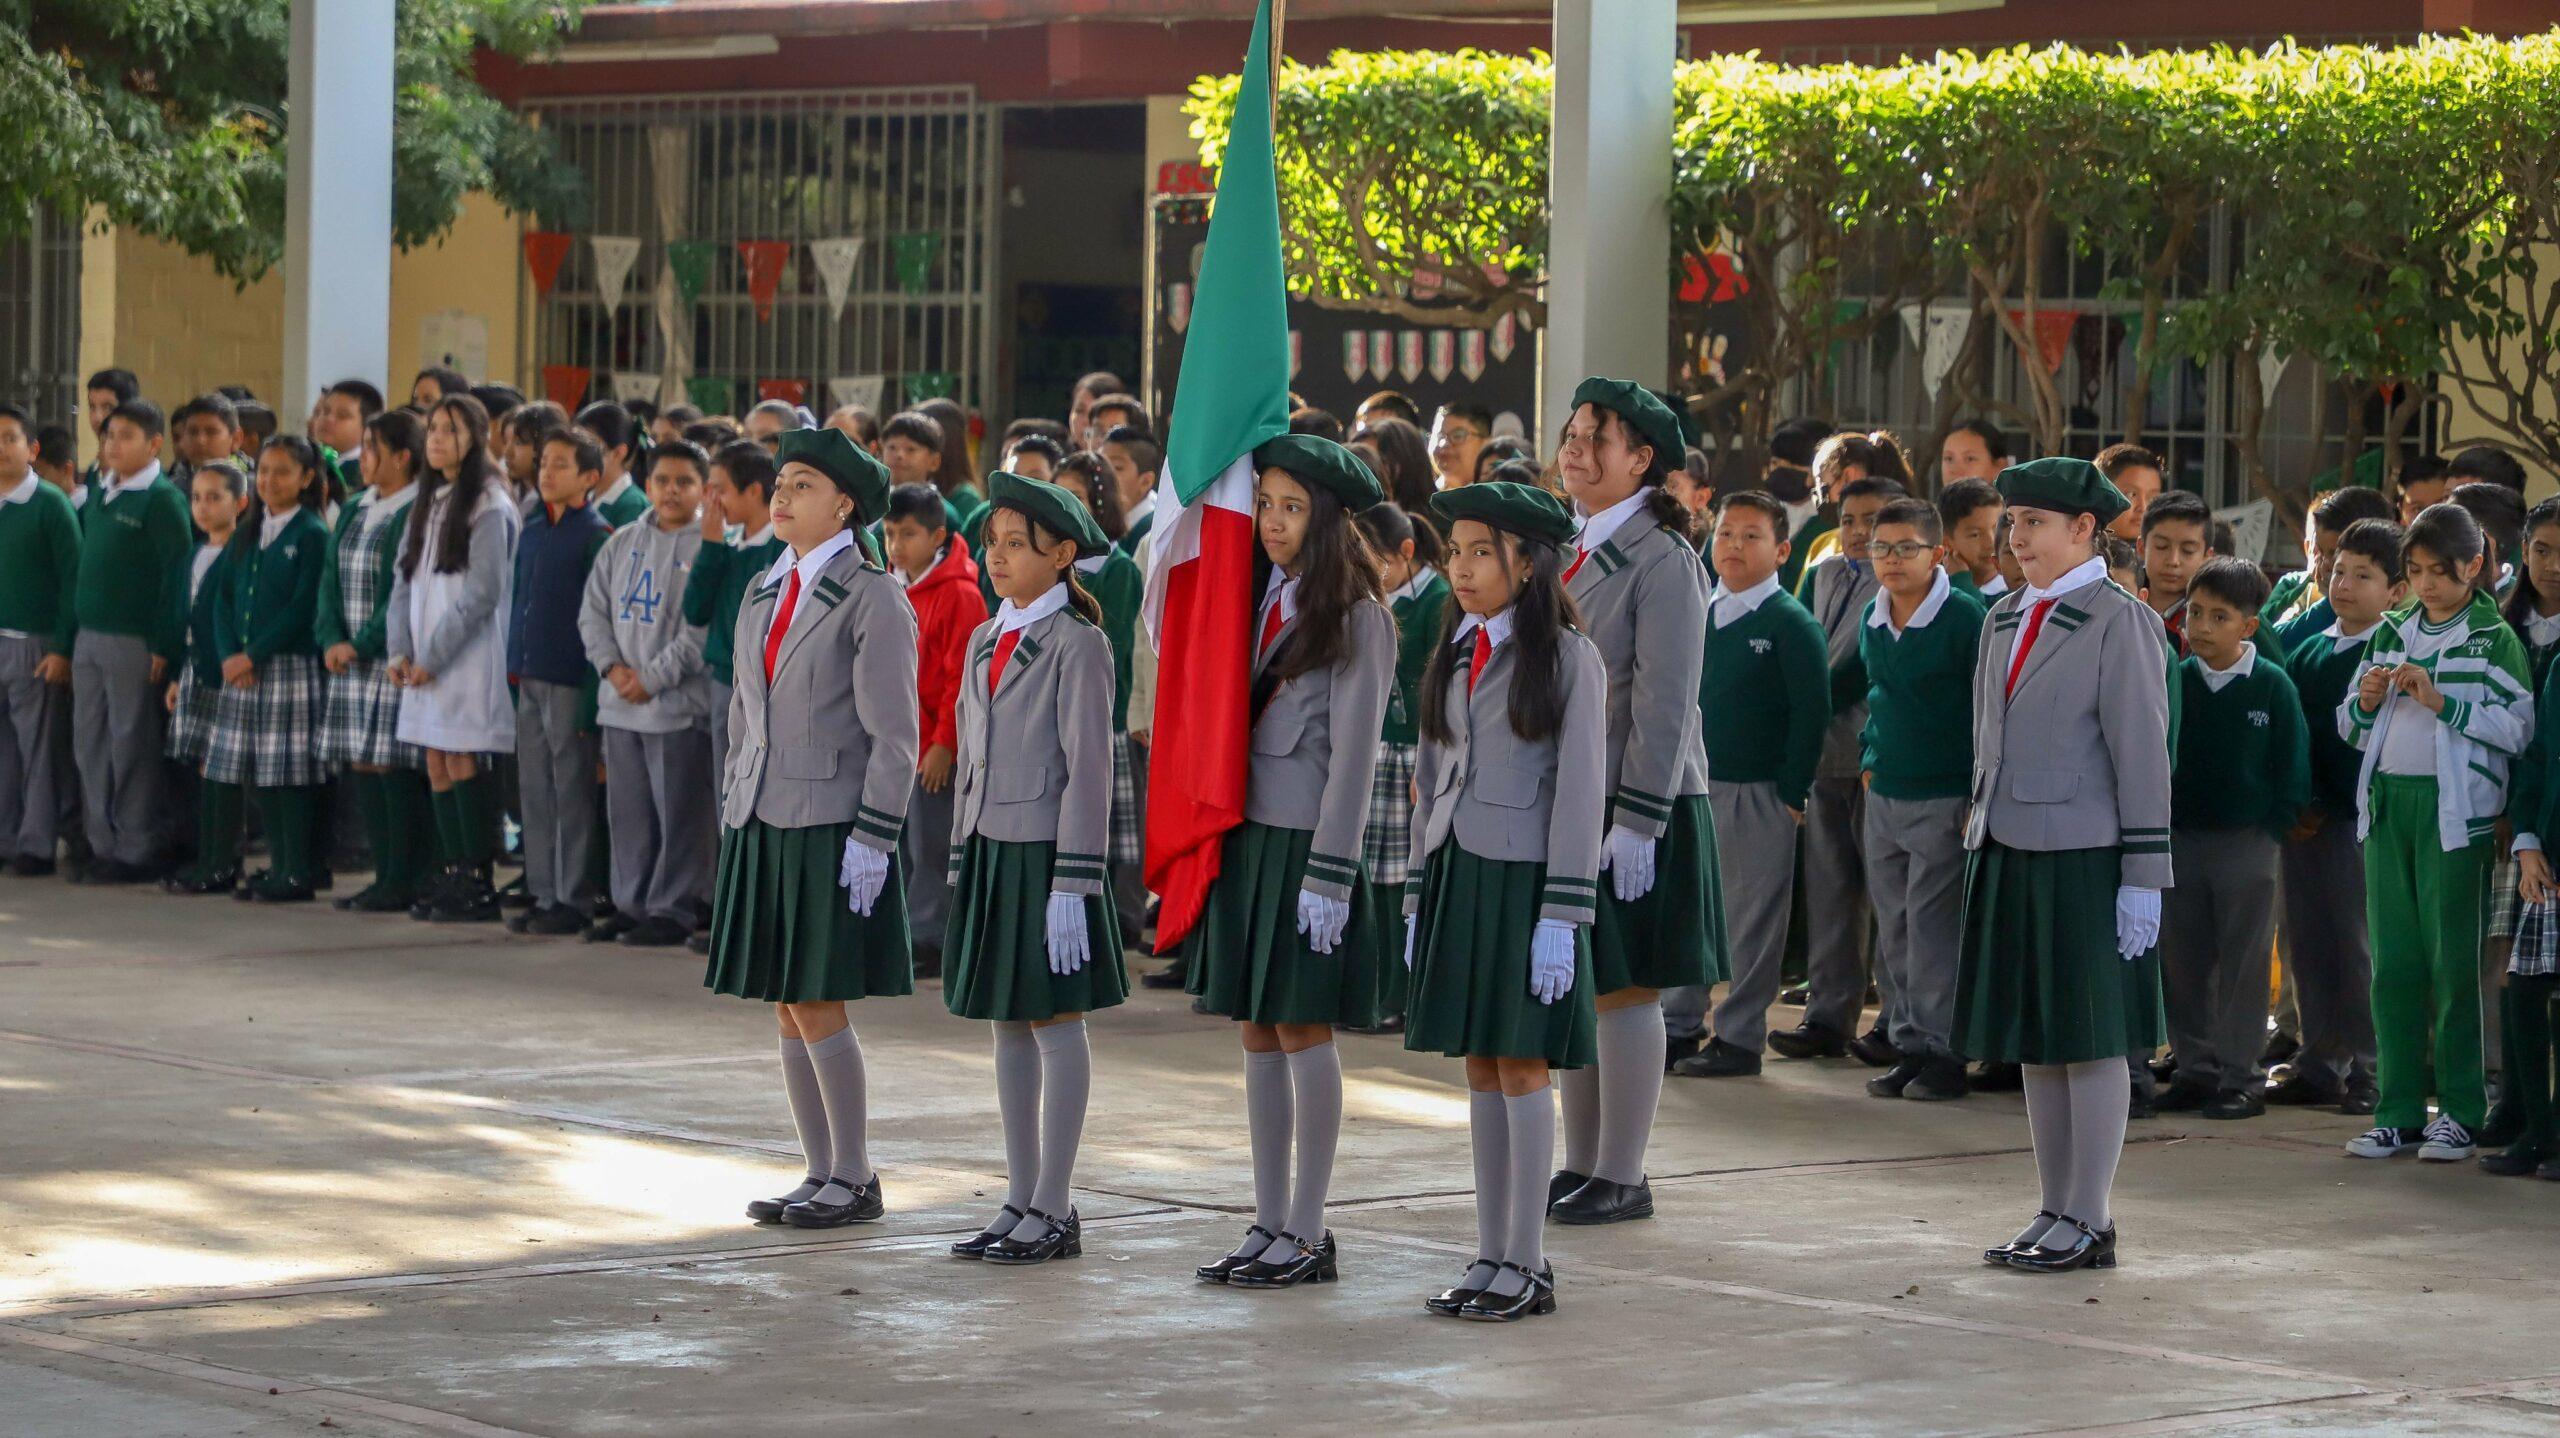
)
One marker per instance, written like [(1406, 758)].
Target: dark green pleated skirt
[(995, 961), (780, 927), (1674, 935), (1470, 984), (1246, 958), (2039, 980), (1392, 976)]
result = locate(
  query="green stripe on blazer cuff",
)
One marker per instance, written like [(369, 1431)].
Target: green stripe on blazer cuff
[(1083, 888), (1070, 856), (866, 822), (1326, 888), (1652, 806), (1578, 914), (1061, 869), (2145, 846), (1332, 867)]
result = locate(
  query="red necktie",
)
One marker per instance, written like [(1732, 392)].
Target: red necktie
[(1004, 651), (1270, 629), (2026, 641), (1575, 568), (781, 623), (1476, 662)]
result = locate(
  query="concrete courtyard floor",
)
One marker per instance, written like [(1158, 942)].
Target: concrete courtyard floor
[(268, 1172)]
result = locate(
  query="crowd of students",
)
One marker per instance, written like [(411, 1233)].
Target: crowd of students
[(1614, 730)]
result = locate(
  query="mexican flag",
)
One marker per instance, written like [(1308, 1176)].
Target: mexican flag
[(1233, 394)]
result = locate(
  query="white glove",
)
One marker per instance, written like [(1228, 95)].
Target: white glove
[(1629, 860), (1322, 920), (1551, 961), (864, 875), (1069, 944), (1410, 921), (2137, 920)]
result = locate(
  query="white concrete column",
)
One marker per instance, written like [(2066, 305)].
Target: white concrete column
[(1609, 186), (337, 247)]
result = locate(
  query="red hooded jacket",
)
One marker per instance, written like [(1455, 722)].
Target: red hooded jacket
[(948, 606)]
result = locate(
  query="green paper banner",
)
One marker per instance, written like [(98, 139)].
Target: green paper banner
[(710, 393), (691, 262), (912, 256), (931, 384)]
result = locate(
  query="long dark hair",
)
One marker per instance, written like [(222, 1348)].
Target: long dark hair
[(953, 421), (1404, 456), (470, 481), (1102, 491), (1336, 570), (2447, 531), (1659, 506), (1540, 614), (2524, 598), (1079, 598), (315, 489), (396, 431)]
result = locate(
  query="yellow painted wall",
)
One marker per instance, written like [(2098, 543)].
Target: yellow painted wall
[(477, 268)]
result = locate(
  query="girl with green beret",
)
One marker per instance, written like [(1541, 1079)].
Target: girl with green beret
[(807, 908), (1287, 941), (1033, 946), (1505, 869)]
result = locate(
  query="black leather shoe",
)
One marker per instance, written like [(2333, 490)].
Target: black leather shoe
[(31, 866), (1171, 976), (1796, 996), (769, 1210), (1674, 1049), (1063, 1240), (2503, 1126), (1892, 1081), (423, 907), (555, 921), (1940, 1079), (1990, 1076), (654, 934), (1219, 1271), (2515, 1160), (1319, 1264), (2087, 1249), (609, 928), (2183, 1098), (1448, 1301), (2362, 1098), (2304, 1088), (864, 1207), (2234, 1103), (1538, 1298), (112, 871), (1807, 1041), (1999, 1257), (2142, 1103), (699, 941), (1874, 1050), (2281, 1049), (1563, 1182), (925, 960), (1719, 1060), (201, 881), (1601, 1201), (977, 1244)]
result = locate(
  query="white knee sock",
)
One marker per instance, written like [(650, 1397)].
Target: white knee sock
[(1531, 1121), (1631, 1045), (1066, 1081), (808, 1114), (838, 1061), (1490, 1128), (1315, 1084), (1267, 1112), (2048, 1093), (1580, 1089), (2100, 1101), (1018, 1098)]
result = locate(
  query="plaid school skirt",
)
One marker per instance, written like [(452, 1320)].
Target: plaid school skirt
[(1128, 816), (265, 734), (1386, 842), (360, 722), (2504, 906), (2537, 950), (191, 722)]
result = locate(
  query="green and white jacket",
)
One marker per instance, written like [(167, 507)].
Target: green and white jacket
[(2487, 720)]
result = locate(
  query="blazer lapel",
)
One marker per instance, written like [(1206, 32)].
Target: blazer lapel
[(1611, 557), (815, 601), (2060, 623), (1026, 652), (1263, 654)]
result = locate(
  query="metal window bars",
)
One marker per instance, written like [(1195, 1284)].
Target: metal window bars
[(40, 319)]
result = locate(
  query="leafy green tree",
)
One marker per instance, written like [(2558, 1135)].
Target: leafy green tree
[(2507, 279), (169, 117)]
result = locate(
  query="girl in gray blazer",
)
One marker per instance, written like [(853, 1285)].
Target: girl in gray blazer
[(1511, 780), (1287, 938), (1033, 946), (806, 908)]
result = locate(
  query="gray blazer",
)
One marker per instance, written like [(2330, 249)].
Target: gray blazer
[(1315, 746), (1513, 800), (1035, 758), (1838, 598), (1643, 597), (2086, 764), (837, 727)]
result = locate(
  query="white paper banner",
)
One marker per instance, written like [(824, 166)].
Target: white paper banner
[(835, 260), (1939, 331), (859, 390), (2252, 525), (614, 256), (634, 385), (2271, 373)]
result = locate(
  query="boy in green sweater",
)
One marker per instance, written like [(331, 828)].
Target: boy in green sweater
[(39, 571), (2242, 780), (134, 554), (1765, 696), (1916, 645)]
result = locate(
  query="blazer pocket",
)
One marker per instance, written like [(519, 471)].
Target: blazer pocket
[(1017, 784), (2043, 786), (1279, 733), (1505, 788), (805, 762)]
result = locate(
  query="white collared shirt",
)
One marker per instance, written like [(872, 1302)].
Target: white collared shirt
[(1011, 616), (1140, 510), (1412, 586), (613, 491), (2216, 679), (143, 479), (1092, 564), (1496, 629), (2542, 630), (1801, 513), (1880, 613), (1281, 589), (810, 567), (2337, 630), (1597, 529), (1725, 606), (25, 490), (379, 511), (202, 564), (273, 525), (760, 537), (2088, 571), (1998, 586)]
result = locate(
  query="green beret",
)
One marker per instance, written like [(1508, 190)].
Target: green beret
[(1644, 412), (1313, 460), (1522, 509), (1054, 509), (854, 469), (2064, 485)]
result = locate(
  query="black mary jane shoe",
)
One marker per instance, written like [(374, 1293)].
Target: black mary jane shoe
[(1319, 1263), (2520, 1160), (1562, 1184), (1224, 1268), (2088, 1248), (769, 1210), (1999, 1257), (1063, 1240), (202, 881), (1448, 1301), (977, 1244), (1538, 1298), (864, 1207), (1604, 1201)]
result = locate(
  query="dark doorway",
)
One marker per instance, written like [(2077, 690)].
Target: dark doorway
[(1074, 212)]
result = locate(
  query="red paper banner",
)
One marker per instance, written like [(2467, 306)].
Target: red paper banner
[(789, 391), (2053, 334), (764, 271), (566, 384), (543, 252)]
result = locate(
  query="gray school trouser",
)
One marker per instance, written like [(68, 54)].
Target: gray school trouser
[(556, 781), (924, 848), (2332, 953), (657, 795), (119, 728), (2217, 925), (1129, 881), (1915, 871), (1756, 863), (31, 714), (1836, 909)]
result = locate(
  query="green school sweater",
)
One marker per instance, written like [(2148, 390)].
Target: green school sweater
[(2323, 670), (135, 553), (273, 592), (200, 615), (1919, 732), (2244, 756), (1119, 588), (633, 504), (1765, 693), (329, 625), (1418, 618), (1800, 548), (40, 567), (722, 575)]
